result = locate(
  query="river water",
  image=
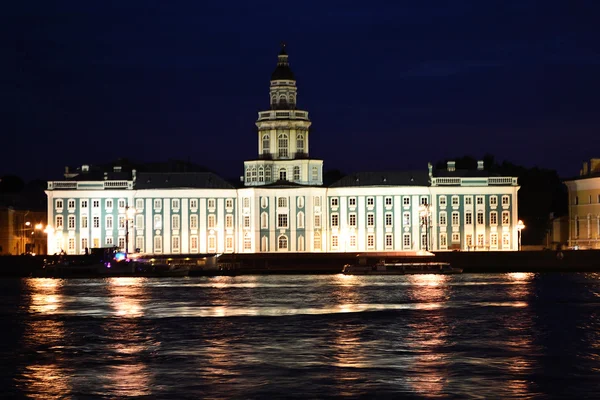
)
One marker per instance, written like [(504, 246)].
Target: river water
[(481, 336)]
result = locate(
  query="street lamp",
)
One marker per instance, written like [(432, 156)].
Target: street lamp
[(520, 227), (424, 213), (129, 214)]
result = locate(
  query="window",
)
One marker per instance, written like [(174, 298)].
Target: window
[(211, 221), (352, 220), (389, 242), (479, 199), (468, 218), (253, 174), (388, 201), (266, 145), (229, 221), (139, 204), (282, 220), (505, 240), (334, 202), (480, 240), (59, 222), (424, 241), (335, 220), (388, 219), (175, 203), (267, 174), (139, 244), (317, 221), (84, 221), (317, 241), (121, 243), (229, 243), (315, 173), (84, 204), (443, 219), (246, 202), (109, 240), (352, 201), (247, 242), (175, 222), (211, 203), (109, 203), (71, 222), (109, 222), (139, 221), (334, 241), (493, 200), (71, 248), (493, 218), (406, 218), (455, 237), (370, 241), (296, 173), (352, 240), (455, 200), (282, 242), (300, 143), (370, 219), (157, 222), (96, 203), (121, 203), (84, 244), (469, 238), (283, 174), (317, 201), (282, 202), (96, 222), (370, 201), (212, 243), (248, 174), (283, 145), (406, 240), (406, 201), (455, 218), (59, 204), (157, 204), (300, 220), (443, 201), (468, 200), (424, 201), (229, 204), (505, 200), (157, 243), (480, 217), (494, 240), (175, 244), (505, 218), (71, 204), (443, 240)]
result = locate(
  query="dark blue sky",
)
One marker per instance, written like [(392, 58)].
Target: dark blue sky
[(388, 84)]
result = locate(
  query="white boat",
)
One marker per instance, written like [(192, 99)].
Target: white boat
[(401, 268)]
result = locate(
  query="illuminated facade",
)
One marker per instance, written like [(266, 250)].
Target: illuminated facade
[(584, 207), (283, 205)]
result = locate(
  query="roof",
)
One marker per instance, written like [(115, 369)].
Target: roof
[(180, 180), (283, 70), (394, 178)]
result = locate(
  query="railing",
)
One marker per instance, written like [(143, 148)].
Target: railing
[(116, 184), (287, 114), (448, 181), (502, 181), (99, 185)]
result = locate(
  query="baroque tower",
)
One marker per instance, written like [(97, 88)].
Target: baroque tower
[(283, 133)]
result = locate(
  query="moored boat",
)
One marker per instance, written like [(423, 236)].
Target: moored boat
[(404, 268)]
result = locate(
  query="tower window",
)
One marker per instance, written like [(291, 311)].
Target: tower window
[(283, 145), (266, 144), (300, 143)]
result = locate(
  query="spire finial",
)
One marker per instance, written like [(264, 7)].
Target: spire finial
[(282, 52)]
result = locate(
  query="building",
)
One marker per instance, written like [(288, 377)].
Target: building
[(22, 231), (584, 207), (283, 205)]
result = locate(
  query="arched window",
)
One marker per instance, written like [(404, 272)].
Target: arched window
[(261, 174), (296, 174), (300, 143), (253, 174), (282, 242), (283, 145), (248, 174), (282, 100), (267, 174), (266, 144), (282, 174)]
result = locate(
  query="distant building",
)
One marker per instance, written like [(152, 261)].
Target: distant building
[(584, 207), (22, 231), (283, 205)]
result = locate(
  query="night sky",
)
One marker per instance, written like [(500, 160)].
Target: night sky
[(389, 85)]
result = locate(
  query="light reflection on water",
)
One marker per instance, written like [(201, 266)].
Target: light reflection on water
[(430, 336)]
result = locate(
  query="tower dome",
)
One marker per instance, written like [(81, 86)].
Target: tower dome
[(283, 70)]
